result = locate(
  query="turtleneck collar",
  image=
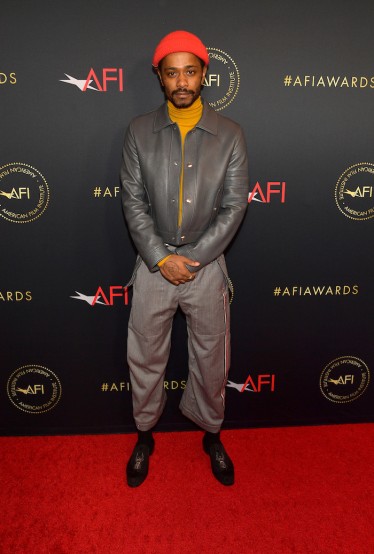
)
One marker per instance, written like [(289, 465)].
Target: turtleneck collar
[(184, 115)]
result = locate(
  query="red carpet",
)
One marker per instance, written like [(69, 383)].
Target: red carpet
[(299, 490)]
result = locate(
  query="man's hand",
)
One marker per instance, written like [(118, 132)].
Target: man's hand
[(175, 270)]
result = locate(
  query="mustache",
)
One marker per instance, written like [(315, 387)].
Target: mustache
[(185, 90)]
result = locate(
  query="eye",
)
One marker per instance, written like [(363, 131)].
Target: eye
[(191, 72), (170, 73)]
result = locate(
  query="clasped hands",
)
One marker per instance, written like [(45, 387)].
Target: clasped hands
[(175, 270)]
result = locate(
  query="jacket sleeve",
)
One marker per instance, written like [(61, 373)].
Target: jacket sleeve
[(136, 206), (234, 202)]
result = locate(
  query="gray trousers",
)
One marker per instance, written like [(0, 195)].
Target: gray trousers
[(205, 302)]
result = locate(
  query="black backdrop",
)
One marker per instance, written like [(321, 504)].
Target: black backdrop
[(299, 78)]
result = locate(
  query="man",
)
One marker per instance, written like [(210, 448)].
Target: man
[(185, 191)]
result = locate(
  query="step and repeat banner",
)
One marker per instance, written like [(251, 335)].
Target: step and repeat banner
[(299, 78)]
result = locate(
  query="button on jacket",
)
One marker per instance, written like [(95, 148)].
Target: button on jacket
[(215, 185)]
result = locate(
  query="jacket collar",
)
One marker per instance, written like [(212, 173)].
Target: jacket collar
[(208, 121)]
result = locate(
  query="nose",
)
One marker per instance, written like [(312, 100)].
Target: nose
[(182, 80)]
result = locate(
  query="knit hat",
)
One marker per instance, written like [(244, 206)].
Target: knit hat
[(180, 41)]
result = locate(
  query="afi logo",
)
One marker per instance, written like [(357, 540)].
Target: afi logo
[(101, 79), (343, 380), (32, 390), (360, 192), (255, 384), (17, 194), (262, 381), (265, 193), (209, 79), (105, 299), (122, 292)]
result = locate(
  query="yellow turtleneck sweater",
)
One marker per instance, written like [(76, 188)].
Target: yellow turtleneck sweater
[(186, 119)]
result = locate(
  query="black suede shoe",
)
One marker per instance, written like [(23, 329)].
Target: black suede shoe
[(222, 466), (137, 466)]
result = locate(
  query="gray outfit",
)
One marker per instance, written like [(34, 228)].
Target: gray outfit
[(215, 196)]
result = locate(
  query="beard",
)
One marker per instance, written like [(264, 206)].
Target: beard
[(188, 98)]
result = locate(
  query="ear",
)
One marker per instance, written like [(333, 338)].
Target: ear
[(205, 69), (159, 76)]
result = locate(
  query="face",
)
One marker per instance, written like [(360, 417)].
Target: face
[(182, 76)]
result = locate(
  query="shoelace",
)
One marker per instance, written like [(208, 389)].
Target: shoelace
[(138, 461), (221, 460)]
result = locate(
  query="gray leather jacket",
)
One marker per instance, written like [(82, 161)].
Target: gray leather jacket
[(215, 185)]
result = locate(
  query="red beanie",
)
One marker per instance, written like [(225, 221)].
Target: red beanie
[(180, 41)]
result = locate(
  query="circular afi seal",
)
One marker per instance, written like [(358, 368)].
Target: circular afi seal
[(24, 193), (354, 191), (344, 379), (34, 389), (222, 82)]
